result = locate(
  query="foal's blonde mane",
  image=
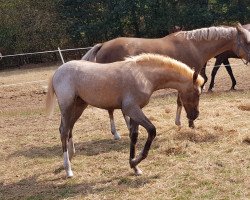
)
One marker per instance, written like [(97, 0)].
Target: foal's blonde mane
[(147, 59), (211, 33)]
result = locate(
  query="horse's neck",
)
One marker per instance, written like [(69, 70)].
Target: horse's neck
[(210, 49), (195, 53), (162, 79)]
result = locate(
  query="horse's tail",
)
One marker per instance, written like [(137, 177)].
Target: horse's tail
[(50, 98), (91, 54)]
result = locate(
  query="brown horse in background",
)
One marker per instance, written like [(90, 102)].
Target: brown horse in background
[(223, 59), (193, 48), (125, 85)]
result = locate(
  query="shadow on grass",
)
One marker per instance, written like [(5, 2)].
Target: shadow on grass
[(33, 188), (89, 148)]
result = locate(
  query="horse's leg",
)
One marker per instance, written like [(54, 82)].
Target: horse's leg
[(133, 134), (217, 64), (78, 108), (230, 72), (69, 115), (71, 146), (203, 74), (65, 131), (135, 113), (112, 124), (127, 120), (178, 111)]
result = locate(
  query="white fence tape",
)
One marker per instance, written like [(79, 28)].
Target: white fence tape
[(20, 84), (42, 52)]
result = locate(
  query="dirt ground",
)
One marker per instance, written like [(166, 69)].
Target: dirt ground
[(210, 162)]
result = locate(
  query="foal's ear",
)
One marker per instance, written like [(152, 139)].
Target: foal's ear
[(195, 76), (239, 28)]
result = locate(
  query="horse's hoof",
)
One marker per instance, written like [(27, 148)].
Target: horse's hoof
[(137, 170), (69, 174), (117, 136), (132, 163), (210, 90), (191, 124), (177, 123)]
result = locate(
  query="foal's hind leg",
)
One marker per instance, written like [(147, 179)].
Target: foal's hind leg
[(69, 114), (78, 107), (65, 131), (137, 117)]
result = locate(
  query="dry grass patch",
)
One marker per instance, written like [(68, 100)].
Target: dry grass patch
[(210, 162)]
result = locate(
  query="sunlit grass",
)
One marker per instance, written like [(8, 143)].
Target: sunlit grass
[(210, 162)]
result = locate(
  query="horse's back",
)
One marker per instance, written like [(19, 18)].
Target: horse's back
[(120, 48)]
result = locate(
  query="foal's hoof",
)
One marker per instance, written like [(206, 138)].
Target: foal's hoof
[(132, 163), (117, 136), (179, 128), (137, 170), (69, 174), (177, 123), (191, 124)]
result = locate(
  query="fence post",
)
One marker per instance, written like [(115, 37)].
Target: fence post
[(59, 50)]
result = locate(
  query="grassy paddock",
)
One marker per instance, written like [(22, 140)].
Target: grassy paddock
[(210, 162)]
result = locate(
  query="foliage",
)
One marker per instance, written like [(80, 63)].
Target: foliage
[(28, 26)]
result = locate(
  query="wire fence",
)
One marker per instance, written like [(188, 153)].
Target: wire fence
[(18, 60), (60, 51)]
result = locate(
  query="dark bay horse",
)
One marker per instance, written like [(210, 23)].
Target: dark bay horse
[(223, 59), (125, 85), (193, 48)]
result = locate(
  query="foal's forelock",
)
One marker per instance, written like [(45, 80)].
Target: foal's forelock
[(211, 33)]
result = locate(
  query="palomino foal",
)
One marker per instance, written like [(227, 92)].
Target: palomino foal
[(125, 85)]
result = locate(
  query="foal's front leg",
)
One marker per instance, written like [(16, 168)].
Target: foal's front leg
[(178, 112), (137, 117), (133, 134), (112, 125)]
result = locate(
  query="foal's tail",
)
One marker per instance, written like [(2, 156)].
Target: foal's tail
[(91, 54), (50, 99)]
